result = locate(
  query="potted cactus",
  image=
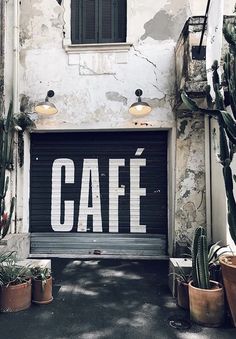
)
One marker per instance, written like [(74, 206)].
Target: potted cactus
[(227, 133), (206, 297), (41, 285)]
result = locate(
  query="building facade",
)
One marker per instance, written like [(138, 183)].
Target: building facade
[(96, 180)]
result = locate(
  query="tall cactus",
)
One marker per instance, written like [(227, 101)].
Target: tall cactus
[(6, 163), (200, 266), (226, 121)]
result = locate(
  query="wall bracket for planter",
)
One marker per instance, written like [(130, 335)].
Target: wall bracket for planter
[(199, 53)]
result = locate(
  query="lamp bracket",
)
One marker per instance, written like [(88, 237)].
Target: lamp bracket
[(138, 92), (50, 93), (199, 53)]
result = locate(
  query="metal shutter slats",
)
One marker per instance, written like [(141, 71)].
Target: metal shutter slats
[(113, 217)]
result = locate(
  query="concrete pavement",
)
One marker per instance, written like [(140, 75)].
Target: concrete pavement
[(107, 299)]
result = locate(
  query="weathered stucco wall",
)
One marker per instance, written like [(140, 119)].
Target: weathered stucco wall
[(94, 89), (190, 178), (6, 54), (199, 7)]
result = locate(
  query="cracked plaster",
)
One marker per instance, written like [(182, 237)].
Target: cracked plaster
[(88, 101), (41, 39), (190, 184), (167, 23)]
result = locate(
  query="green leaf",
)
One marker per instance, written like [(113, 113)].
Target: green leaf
[(191, 104)]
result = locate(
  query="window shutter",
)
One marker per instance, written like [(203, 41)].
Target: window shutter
[(120, 20), (76, 21), (106, 20), (98, 21), (90, 21)]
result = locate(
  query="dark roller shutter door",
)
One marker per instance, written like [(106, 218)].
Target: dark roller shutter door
[(99, 194)]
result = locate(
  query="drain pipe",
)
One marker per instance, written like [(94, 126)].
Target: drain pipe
[(208, 180), (15, 56), (2, 52), (15, 88)]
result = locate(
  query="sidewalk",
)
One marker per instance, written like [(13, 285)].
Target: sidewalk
[(109, 299)]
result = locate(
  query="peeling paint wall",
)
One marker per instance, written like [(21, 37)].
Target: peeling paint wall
[(94, 88), (199, 7), (83, 82), (2, 36), (6, 72), (190, 177)]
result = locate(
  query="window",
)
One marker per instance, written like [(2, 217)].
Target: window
[(98, 21)]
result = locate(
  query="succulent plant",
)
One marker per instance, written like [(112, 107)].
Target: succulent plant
[(205, 259), (200, 264)]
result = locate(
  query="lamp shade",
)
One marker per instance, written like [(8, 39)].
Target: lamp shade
[(139, 108), (45, 108)]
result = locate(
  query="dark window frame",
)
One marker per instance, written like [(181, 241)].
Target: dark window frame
[(96, 30)]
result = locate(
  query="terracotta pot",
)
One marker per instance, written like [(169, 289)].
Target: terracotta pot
[(14, 298), (42, 295), (228, 266), (207, 306), (182, 294)]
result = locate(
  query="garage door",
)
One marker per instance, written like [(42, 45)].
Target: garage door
[(99, 194)]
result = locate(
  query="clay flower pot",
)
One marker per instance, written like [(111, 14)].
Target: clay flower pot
[(14, 298), (207, 305), (228, 266), (182, 294), (42, 291)]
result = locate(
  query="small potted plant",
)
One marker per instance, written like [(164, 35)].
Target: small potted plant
[(15, 285), (182, 280), (41, 285)]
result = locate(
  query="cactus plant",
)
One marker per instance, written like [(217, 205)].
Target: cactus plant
[(226, 121), (6, 163), (200, 265)]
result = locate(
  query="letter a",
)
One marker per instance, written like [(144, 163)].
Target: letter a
[(90, 171)]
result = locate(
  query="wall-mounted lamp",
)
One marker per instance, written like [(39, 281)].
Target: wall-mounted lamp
[(139, 108), (46, 107)]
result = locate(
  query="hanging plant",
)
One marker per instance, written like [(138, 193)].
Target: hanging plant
[(22, 123), (8, 126), (6, 163)]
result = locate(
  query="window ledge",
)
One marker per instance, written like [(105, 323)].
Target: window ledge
[(109, 47)]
